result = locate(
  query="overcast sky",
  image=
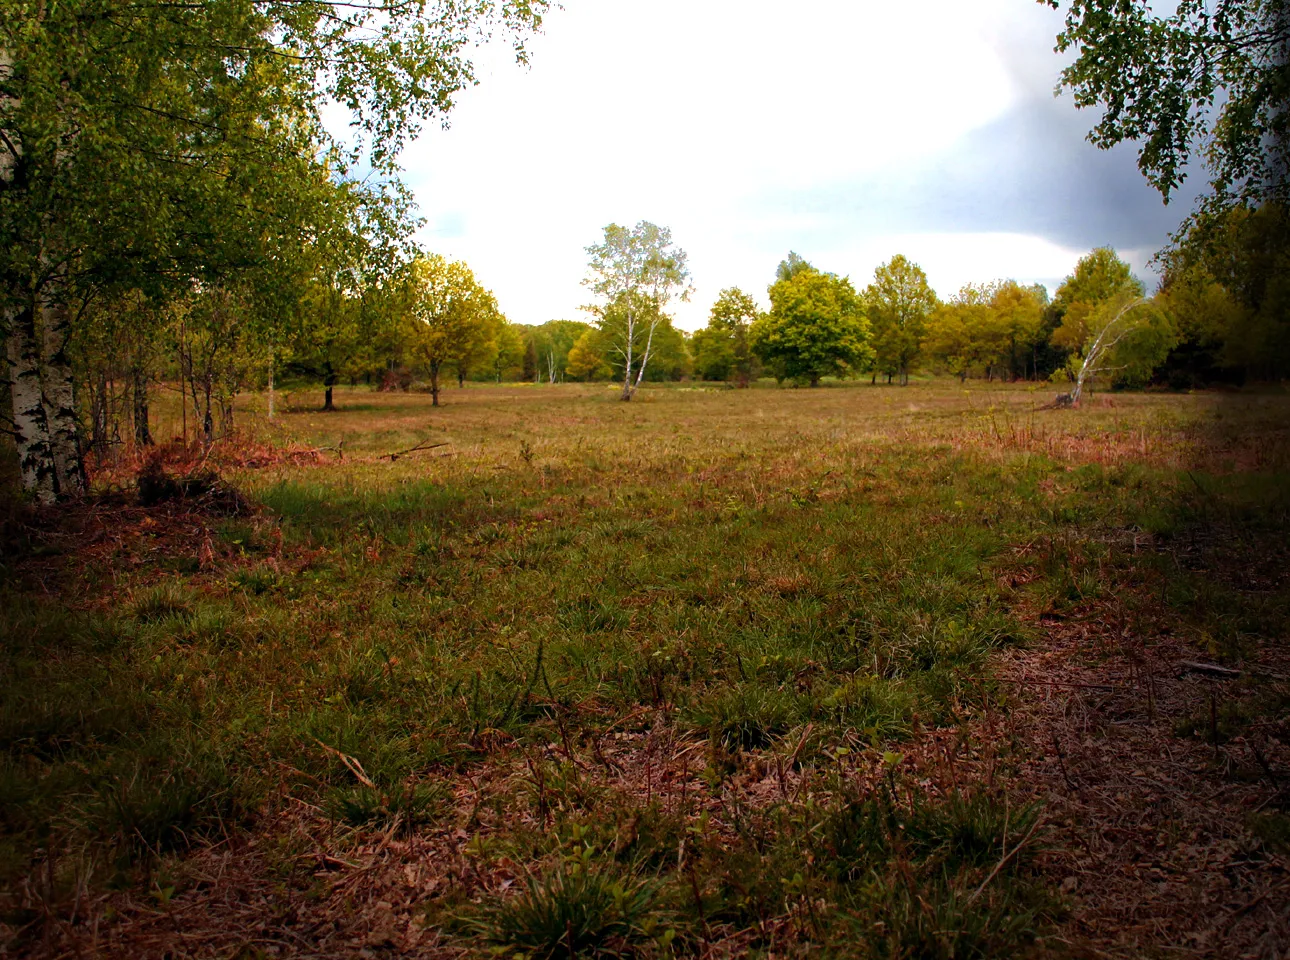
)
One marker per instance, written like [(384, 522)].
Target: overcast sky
[(847, 131)]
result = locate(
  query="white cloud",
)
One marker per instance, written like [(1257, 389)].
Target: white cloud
[(702, 116)]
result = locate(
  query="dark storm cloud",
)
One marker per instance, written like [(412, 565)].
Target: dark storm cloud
[(1031, 171)]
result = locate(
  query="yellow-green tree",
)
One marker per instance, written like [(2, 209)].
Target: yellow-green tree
[(721, 350), (958, 334), (586, 359), (1019, 323), (816, 328), (898, 303), (448, 318)]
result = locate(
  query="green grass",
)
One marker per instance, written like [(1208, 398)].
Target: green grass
[(742, 564)]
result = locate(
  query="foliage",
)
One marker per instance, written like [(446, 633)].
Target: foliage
[(650, 334), (636, 271), (1099, 278), (1203, 78), (898, 303), (721, 350), (449, 319), (1229, 293), (791, 266), (816, 328), (552, 342), (992, 327), (200, 161), (586, 358)]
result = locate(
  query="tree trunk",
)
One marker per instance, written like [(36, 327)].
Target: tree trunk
[(59, 383), (631, 334), (31, 429), (329, 381), (434, 384), (208, 419), (99, 414), (461, 378), (139, 397), (270, 391)]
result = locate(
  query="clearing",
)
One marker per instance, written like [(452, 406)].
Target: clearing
[(857, 671)]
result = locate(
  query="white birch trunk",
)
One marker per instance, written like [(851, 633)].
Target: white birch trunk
[(649, 350), (30, 426), (270, 391), (59, 396), (631, 335), (1089, 368)]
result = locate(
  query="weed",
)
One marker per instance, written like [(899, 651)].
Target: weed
[(157, 808), (572, 911), (745, 717), (403, 809), (160, 603)]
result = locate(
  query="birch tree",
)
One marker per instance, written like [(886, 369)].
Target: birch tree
[(640, 271), (1126, 336), (197, 156)]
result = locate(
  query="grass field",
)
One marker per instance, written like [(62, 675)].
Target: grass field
[(856, 671)]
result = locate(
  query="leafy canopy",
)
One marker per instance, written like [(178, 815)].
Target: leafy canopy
[(899, 301), (816, 327), (1209, 78)]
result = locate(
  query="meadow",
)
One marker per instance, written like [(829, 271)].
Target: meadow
[(853, 671)]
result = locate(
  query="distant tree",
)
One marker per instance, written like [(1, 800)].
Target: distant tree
[(1231, 294), (959, 334), (508, 355), (1019, 317), (1100, 277), (586, 360), (529, 366), (721, 350), (815, 328), (1128, 337), (714, 356), (552, 342), (791, 266), (898, 303), (449, 315), (652, 333), (636, 271)]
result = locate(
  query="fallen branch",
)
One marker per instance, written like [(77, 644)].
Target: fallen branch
[(351, 764), (1228, 673), (1211, 668), (418, 448)]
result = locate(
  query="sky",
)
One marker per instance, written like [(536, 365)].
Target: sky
[(845, 131)]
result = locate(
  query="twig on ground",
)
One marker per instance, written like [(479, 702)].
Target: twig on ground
[(350, 763), (417, 449), (1211, 668)]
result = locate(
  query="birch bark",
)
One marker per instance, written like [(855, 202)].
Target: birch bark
[(58, 383), (31, 428)]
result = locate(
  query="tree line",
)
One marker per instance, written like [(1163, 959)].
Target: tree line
[(1218, 317), (174, 211)]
